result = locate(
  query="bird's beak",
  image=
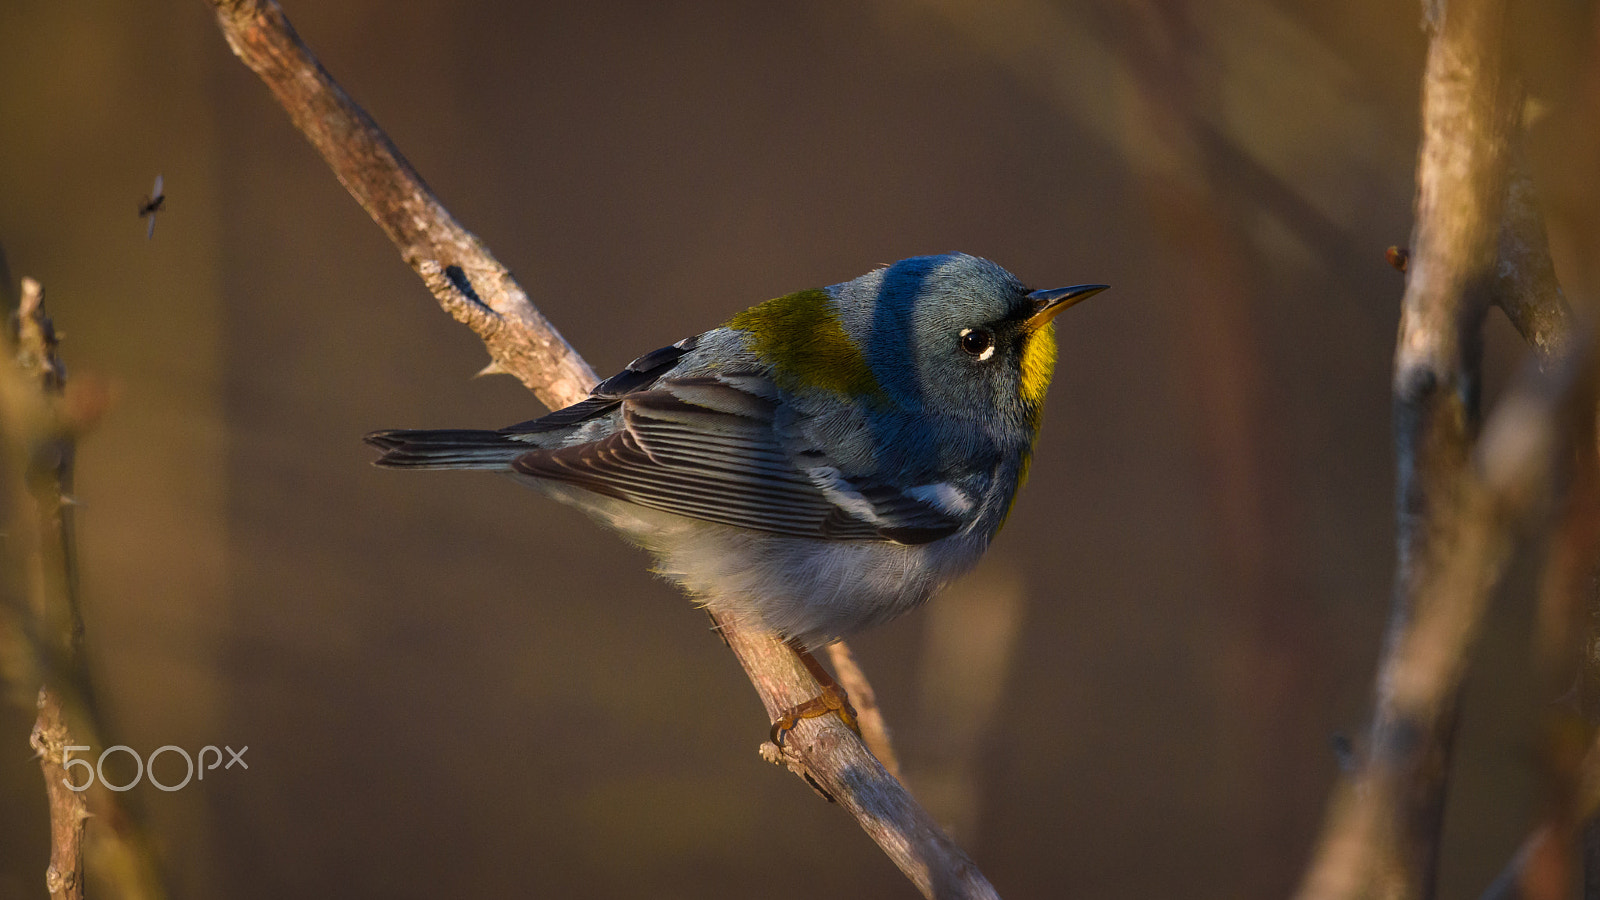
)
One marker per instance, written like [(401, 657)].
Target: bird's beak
[(1047, 304)]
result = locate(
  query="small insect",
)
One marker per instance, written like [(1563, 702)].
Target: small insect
[(152, 205), (1398, 257)]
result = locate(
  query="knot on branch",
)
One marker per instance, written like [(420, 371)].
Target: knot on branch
[(35, 338), (458, 280), (49, 734), (57, 882), (453, 288)]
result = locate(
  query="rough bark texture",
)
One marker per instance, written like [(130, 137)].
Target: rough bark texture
[(69, 813)]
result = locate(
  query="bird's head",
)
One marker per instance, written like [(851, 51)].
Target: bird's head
[(958, 334), (954, 334)]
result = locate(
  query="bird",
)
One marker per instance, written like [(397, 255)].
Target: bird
[(821, 463)]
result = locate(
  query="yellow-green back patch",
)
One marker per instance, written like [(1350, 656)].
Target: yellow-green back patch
[(799, 335)]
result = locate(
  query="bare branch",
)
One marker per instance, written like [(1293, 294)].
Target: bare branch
[(1468, 122), (1569, 606), (40, 420), (1384, 827), (69, 813), (479, 292), (833, 760), (55, 627), (869, 716), (469, 283), (1362, 853)]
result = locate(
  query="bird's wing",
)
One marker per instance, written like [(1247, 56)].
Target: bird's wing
[(639, 375), (705, 448)]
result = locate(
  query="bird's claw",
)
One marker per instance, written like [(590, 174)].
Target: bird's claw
[(833, 699)]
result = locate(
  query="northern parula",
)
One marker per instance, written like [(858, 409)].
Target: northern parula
[(823, 462)]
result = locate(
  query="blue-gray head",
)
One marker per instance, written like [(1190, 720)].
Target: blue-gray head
[(953, 333), (977, 341)]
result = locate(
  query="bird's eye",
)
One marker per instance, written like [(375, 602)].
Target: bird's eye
[(977, 342)]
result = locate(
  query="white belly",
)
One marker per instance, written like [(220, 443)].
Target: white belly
[(811, 591)]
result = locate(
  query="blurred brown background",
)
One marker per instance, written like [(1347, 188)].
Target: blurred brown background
[(452, 687)]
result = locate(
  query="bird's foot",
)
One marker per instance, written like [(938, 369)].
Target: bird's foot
[(833, 699)]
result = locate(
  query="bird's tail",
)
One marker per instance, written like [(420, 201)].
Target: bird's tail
[(448, 449)]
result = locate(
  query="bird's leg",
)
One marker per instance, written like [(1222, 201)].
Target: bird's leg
[(833, 699)]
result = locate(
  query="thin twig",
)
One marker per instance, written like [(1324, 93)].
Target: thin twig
[(1544, 868), (480, 293), (869, 715), (1525, 284), (1568, 628), (968, 642), (69, 813)]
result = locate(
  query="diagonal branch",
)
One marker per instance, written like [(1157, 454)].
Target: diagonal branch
[(1527, 290), (480, 293), (1525, 284), (1364, 850), (1570, 755), (469, 283), (869, 716)]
